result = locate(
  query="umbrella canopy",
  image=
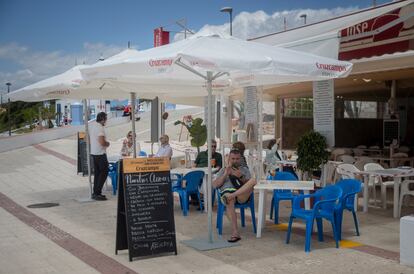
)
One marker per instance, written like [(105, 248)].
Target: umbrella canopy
[(70, 85), (209, 62), (166, 69)]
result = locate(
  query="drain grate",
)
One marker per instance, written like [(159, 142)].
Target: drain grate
[(43, 205)]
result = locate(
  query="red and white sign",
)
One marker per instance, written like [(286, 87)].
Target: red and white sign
[(161, 37), (389, 33)]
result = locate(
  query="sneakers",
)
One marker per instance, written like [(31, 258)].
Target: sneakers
[(99, 197)]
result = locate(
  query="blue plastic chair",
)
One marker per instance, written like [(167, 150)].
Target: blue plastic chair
[(193, 179), (222, 208), (326, 200), (113, 174), (176, 181), (350, 188), (280, 195), (142, 153)]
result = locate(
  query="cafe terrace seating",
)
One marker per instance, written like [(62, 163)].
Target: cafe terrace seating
[(324, 208), (350, 188), (193, 181), (280, 195), (222, 208), (377, 180)]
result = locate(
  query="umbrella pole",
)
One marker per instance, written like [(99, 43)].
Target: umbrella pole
[(134, 137), (209, 178), (88, 156), (260, 133)]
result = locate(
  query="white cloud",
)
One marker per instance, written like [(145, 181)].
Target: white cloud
[(34, 65), (253, 24)]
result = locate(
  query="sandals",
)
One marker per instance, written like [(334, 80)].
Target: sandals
[(234, 239)]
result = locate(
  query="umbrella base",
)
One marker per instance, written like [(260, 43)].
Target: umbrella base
[(203, 244)]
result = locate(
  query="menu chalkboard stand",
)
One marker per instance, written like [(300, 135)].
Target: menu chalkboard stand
[(145, 216)]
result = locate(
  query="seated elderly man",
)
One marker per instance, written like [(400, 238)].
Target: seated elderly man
[(235, 186)]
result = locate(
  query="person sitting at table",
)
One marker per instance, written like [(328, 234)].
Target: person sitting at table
[(272, 155), (202, 157), (165, 149), (128, 146), (235, 186), (202, 161), (241, 147)]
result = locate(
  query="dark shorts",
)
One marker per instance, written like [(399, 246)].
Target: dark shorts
[(231, 190)]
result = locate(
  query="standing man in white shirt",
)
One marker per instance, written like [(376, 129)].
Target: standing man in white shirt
[(98, 152), (165, 149)]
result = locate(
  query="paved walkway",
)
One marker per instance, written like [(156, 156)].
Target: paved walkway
[(79, 237)]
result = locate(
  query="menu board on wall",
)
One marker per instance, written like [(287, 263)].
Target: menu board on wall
[(323, 110), (251, 112), (145, 219)]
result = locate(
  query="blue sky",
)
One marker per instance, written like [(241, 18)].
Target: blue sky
[(45, 37)]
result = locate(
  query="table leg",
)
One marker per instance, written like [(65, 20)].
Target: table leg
[(307, 200), (397, 181), (365, 200), (261, 213)]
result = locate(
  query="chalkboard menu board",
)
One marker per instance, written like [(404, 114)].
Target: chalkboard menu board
[(82, 155), (391, 131), (145, 218)]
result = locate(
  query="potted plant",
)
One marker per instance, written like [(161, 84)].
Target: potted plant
[(312, 153), (198, 131)]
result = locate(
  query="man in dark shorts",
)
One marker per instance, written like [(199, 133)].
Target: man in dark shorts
[(235, 186)]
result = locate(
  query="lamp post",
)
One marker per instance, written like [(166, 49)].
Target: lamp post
[(8, 109), (230, 11), (304, 18)]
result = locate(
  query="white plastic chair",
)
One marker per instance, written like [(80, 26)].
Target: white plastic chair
[(337, 152), (347, 171), (362, 146), (378, 180), (358, 151), (347, 159), (405, 190), (404, 149)]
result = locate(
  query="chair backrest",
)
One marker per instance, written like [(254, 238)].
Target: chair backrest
[(347, 171), (400, 154), (349, 186), (360, 164), (358, 151), (374, 147), (366, 159), (348, 159), (142, 153), (336, 152), (404, 149), (193, 179), (362, 146), (176, 180), (331, 192), (284, 176), (372, 167)]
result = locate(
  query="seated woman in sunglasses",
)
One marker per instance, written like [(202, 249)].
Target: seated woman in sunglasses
[(128, 146)]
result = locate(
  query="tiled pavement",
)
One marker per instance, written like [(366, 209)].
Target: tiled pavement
[(36, 240)]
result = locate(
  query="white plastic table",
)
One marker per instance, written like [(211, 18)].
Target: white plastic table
[(264, 185), (396, 174)]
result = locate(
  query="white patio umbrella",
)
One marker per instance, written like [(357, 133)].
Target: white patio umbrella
[(70, 85), (195, 66)]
